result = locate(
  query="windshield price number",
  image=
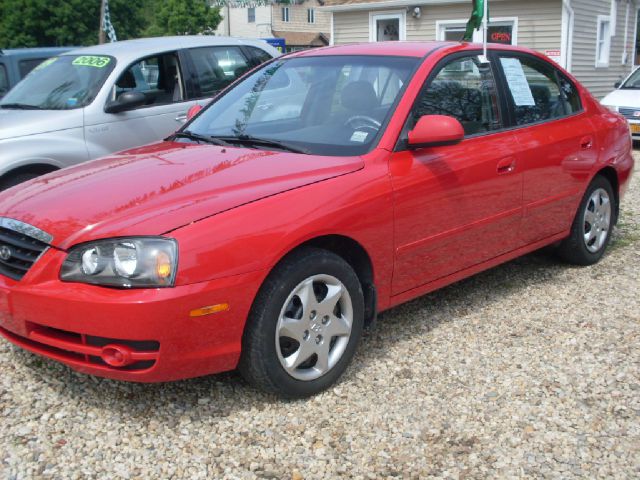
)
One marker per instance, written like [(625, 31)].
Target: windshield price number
[(91, 61)]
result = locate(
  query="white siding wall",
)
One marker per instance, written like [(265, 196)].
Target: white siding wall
[(538, 22), (600, 80)]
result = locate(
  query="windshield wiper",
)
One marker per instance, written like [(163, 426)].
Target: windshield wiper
[(199, 138), (21, 106), (249, 140)]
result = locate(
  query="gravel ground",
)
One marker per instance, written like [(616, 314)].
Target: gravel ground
[(531, 369)]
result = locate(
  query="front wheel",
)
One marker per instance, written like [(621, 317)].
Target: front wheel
[(592, 226), (304, 326)]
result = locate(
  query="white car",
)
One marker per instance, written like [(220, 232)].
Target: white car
[(91, 102), (625, 99)]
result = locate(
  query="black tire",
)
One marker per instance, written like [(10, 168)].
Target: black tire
[(259, 362), (573, 249), (16, 179)]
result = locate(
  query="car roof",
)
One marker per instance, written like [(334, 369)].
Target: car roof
[(401, 49), (133, 49), (33, 52)]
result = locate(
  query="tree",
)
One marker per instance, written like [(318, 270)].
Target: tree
[(42, 23), (183, 17)]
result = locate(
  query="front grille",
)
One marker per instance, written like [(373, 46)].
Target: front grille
[(21, 245), (18, 253), (630, 113)]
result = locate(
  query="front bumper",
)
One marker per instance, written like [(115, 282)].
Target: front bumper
[(74, 323)]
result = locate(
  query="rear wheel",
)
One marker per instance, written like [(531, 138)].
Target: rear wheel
[(592, 226), (304, 326)]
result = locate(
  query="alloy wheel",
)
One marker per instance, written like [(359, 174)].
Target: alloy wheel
[(314, 327), (597, 220)]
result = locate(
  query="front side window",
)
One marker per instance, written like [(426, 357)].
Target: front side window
[(157, 77), (217, 67), (4, 80), (251, 14), (534, 90), (464, 89), (323, 105), (633, 82), (61, 83)]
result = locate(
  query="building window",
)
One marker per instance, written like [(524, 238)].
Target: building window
[(285, 14), (603, 42), (500, 30), (311, 15), (251, 14), (388, 26)]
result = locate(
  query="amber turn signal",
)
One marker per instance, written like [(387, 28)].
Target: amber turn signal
[(201, 312)]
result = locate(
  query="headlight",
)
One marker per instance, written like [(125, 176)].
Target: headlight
[(137, 262)]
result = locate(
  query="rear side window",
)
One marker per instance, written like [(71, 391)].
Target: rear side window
[(217, 67), (258, 55), (538, 92), (4, 80), (464, 89), (25, 66)]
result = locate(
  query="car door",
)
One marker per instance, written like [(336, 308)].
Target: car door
[(556, 143), (160, 78), (456, 205)]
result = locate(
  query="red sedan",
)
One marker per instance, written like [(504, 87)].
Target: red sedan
[(324, 187)]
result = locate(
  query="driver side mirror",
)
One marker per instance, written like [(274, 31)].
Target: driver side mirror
[(126, 101), (617, 85), (436, 130)]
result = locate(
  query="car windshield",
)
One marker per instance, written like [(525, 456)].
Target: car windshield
[(61, 83), (633, 82), (325, 105)]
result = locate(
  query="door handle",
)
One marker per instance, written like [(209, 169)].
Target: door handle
[(586, 143), (507, 165), (181, 118)]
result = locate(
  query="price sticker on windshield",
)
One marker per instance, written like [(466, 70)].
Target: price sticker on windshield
[(91, 61)]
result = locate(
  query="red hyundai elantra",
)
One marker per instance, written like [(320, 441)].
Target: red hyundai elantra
[(324, 187)]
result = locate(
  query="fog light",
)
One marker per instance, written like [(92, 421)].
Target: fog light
[(116, 355)]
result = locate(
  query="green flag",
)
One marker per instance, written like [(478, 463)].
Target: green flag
[(475, 21)]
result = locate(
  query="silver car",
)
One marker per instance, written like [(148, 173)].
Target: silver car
[(98, 100)]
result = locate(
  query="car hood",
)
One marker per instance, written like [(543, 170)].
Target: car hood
[(158, 188), (18, 123), (623, 98)]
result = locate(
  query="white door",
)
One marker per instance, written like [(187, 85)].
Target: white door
[(387, 26)]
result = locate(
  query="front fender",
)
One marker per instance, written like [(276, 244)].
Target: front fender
[(256, 236), (59, 149)]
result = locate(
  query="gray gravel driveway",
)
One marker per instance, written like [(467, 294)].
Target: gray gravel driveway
[(531, 369)]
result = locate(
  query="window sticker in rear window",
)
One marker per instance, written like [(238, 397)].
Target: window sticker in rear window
[(517, 80), (91, 61)]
